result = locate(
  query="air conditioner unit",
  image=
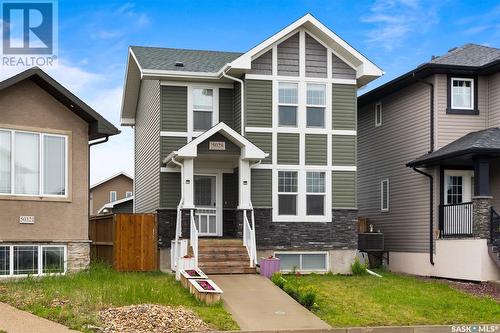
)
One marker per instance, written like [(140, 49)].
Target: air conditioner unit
[(371, 241)]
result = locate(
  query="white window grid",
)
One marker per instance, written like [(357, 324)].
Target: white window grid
[(40, 164), (384, 195), (112, 196), (316, 98), (39, 249), (287, 182), (378, 114), (470, 95), (288, 95)]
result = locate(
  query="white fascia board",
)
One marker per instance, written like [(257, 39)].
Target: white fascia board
[(127, 121), (130, 57)]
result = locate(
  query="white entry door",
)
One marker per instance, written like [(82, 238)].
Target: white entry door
[(457, 211), (205, 201)]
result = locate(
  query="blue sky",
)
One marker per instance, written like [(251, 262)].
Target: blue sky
[(397, 35)]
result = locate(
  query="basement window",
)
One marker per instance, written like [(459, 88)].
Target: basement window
[(303, 261), (25, 260)]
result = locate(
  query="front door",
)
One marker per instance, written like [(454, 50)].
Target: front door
[(458, 192), (205, 201)]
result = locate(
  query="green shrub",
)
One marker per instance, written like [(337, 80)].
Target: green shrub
[(307, 296), (278, 280), (292, 290), (358, 268)]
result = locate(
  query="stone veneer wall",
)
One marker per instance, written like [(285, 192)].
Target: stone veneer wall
[(78, 256), (481, 215)]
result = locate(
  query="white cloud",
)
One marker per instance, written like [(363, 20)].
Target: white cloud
[(395, 20)]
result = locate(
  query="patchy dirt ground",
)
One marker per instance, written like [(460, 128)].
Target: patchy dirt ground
[(480, 289), (150, 318)]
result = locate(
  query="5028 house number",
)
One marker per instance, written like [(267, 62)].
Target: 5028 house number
[(217, 145)]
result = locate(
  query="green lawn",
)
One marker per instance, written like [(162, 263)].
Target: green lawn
[(394, 300), (75, 300)]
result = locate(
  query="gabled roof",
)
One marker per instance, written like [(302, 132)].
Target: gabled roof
[(249, 151), (154, 62), (484, 141), (469, 59), (98, 126), (112, 177), (157, 58)]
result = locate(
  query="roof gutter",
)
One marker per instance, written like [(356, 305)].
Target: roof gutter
[(242, 98)]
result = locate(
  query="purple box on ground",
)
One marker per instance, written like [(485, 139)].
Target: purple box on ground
[(268, 266)]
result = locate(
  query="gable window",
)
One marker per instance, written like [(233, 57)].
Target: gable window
[(315, 193), (384, 195), (33, 164), (462, 93), (287, 104), (378, 114), (112, 196), (128, 194), (203, 108), (316, 104), (287, 192)]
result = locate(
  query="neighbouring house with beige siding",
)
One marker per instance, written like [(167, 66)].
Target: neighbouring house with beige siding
[(436, 125), (45, 132), (259, 147), (109, 190)]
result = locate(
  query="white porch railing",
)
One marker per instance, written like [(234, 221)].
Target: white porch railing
[(193, 237), (249, 237), (176, 249)]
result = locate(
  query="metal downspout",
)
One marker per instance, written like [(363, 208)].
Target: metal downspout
[(431, 213)]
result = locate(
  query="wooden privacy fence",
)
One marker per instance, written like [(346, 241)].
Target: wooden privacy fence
[(128, 242)]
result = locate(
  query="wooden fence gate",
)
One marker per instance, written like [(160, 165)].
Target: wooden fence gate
[(128, 242)]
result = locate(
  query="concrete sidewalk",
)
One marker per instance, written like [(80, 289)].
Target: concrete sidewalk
[(258, 305), (13, 320)]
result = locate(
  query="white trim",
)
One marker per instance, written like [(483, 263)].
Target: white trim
[(40, 248), (113, 203), (345, 132), (267, 166), (211, 85), (378, 120), (112, 177), (344, 168), (382, 208), (111, 196), (173, 134), (467, 184), (472, 97), (327, 260), (292, 78)]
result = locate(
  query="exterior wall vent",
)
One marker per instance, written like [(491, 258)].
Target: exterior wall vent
[(179, 64)]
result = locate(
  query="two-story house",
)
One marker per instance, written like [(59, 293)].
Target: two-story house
[(258, 147), (107, 192), (429, 165)]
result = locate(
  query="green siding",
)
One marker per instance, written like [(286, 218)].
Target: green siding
[(343, 107), (344, 150), (343, 189), (226, 104), (288, 148), (262, 181), (259, 103), (237, 107), (230, 190), (231, 148), (173, 108), (264, 141), (316, 149), (170, 189), (170, 143)]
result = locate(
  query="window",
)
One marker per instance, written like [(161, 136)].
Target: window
[(316, 105), (203, 109), (462, 93), (33, 163), (454, 189), (112, 196), (306, 261), (128, 194), (287, 104), (384, 195), (32, 259), (378, 114), (287, 192), (315, 193)]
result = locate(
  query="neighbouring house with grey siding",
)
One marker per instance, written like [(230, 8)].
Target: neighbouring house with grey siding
[(428, 165), (258, 147)]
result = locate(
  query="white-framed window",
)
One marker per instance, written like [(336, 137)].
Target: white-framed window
[(112, 196), (316, 105), (303, 261), (315, 193), (287, 192), (378, 114), (32, 259), (287, 104), (128, 194), (384, 195), (33, 163), (462, 93), (203, 108)]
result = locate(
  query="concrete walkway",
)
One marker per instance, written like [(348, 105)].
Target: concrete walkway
[(258, 305), (13, 320)]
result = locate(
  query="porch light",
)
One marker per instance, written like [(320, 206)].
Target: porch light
[(188, 181)]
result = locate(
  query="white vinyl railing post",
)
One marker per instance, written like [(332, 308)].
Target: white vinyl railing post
[(193, 237)]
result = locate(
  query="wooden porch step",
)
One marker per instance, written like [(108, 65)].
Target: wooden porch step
[(222, 257), (222, 250), (235, 263), (222, 242), (230, 270)]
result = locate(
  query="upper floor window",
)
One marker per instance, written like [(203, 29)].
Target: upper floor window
[(378, 114), (287, 104), (112, 196), (462, 93), (316, 105), (128, 194), (203, 108), (33, 164)]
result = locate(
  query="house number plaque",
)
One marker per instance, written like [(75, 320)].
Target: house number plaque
[(217, 145)]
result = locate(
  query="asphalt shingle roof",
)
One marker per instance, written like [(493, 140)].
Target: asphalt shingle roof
[(468, 55), (194, 60), (484, 140)]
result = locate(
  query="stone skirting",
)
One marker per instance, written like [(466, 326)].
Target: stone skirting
[(481, 216), (78, 256)]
